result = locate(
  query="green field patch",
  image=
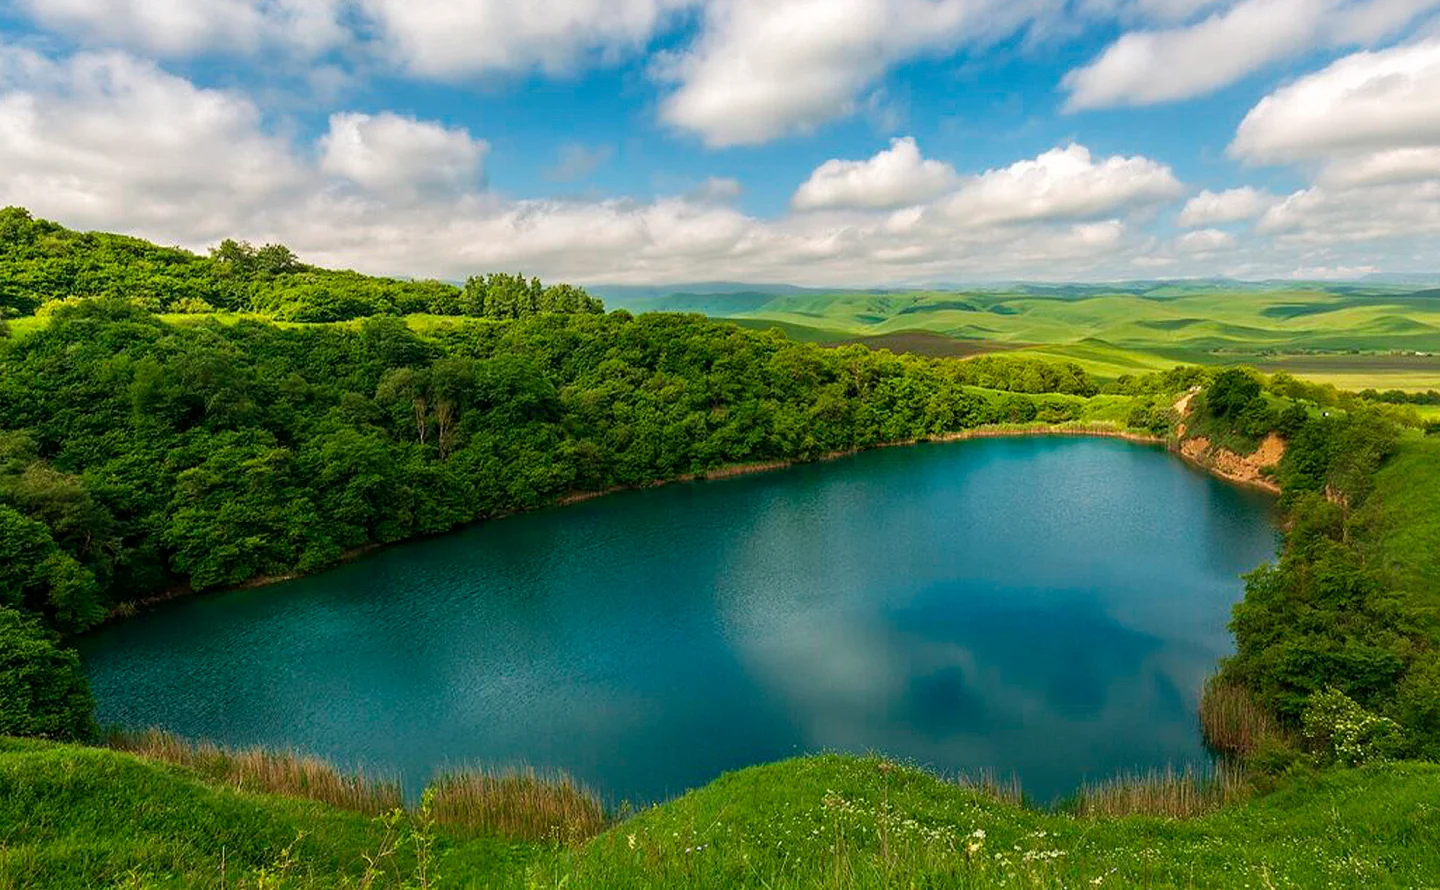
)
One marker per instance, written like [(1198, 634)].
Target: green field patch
[(1295, 310)]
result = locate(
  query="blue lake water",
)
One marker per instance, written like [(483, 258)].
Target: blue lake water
[(1047, 607)]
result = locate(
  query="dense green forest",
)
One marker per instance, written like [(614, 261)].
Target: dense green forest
[(43, 265)]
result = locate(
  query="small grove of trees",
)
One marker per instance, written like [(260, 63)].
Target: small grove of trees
[(513, 296)]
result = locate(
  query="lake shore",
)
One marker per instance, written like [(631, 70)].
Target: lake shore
[(730, 471)]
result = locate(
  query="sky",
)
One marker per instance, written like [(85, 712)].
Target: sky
[(837, 143)]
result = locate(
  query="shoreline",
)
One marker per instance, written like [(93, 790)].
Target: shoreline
[(133, 608)]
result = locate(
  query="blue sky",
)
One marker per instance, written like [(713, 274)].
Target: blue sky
[(833, 142)]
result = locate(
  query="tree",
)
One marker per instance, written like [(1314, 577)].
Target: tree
[(43, 691), (1231, 392), (36, 574)]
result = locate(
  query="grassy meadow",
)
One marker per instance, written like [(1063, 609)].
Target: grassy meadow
[(1351, 337), (87, 817)]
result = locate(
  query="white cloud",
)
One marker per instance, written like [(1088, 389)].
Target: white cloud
[(767, 68), (895, 177), (1320, 215), (190, 27), (401, 157), (448, 39), (1063, 183), (1204, 241), (1382, 167), (1366, 102), (1145, 67), (106, 139), (1231, 205)]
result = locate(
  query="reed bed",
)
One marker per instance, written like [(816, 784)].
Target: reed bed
[(1232, 721), (1168, 793), (520, 804), (274, 772), (986, 782)]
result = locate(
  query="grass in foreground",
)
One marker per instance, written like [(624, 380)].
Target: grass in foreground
[(77, 817), (838, 822)]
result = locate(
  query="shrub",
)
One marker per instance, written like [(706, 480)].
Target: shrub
[(1340, 730), (43, 691)]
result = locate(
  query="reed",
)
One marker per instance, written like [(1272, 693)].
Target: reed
[(986, 782), (1167, 793), (520, 804), (1232, 721), (288, 773)]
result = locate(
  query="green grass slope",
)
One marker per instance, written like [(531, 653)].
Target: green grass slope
[(1402, 524), (76, 817), (847, 822)]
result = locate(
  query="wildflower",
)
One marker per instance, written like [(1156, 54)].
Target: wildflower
[(631, 840)]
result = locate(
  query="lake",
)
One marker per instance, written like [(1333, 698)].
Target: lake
[(1047, 607)]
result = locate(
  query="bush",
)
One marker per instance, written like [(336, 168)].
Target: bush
[(1339, 730), (43, 691)]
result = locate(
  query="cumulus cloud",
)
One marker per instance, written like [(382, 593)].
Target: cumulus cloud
[(1365, 102), (1368, 126), (1063, 183), (1145, 67), (445, 39), (761, 69), (1383, 167), (1204, 241), (106, 139), (1232, 205), (401, 157), (895, 177), (190, 27), (1319, 215)]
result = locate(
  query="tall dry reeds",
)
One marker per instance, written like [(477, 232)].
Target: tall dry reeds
[(274, 772), (1232, 721), (1167, 793), (519, 803), (987, 783)]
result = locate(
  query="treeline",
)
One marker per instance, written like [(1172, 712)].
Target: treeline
[(43, 265), (137, 456), (1401, 397)]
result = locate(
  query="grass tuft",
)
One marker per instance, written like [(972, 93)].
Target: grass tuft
[(1005, 790), (1166, 793), (288, 773), (1232, 721), (520, 804)]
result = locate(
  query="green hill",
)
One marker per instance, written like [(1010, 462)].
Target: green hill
[(1353, 337)]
